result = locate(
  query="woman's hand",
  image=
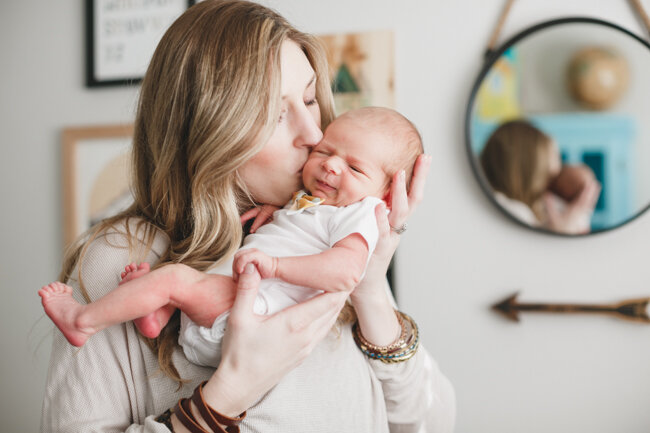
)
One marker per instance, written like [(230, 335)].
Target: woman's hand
[(371, 302), (259, 350), (262, 214), (403, 204)]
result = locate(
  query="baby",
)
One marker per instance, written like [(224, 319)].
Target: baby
[(318, 242)]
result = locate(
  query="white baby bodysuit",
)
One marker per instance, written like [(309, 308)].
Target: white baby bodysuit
[(301, 232)]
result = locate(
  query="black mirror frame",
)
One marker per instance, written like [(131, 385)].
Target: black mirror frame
[(490, 58)]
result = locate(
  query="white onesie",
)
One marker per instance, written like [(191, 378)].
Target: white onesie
[(291, 233)]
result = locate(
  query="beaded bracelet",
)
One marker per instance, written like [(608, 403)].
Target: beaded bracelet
[(401, 350)]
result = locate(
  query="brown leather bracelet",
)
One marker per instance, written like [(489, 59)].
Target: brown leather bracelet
[(197, 398), (181, 410), (229, 422)]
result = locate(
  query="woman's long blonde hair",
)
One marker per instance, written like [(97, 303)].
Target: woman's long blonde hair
[(209, 101), (516, 162)]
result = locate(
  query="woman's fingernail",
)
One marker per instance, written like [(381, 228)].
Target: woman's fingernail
[(249, 269), (402, 175), (427, 159)]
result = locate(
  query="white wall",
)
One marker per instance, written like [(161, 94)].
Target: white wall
[(561, 374)]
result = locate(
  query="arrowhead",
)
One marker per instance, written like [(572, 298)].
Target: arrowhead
[(508, 307), (634, 309)]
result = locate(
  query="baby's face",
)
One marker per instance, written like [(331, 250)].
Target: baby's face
[(348, 164)]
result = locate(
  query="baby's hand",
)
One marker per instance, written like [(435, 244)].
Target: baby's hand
[(263, 214), (266, 265)]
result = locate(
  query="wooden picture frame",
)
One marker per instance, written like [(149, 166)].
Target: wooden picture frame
[(95, 164), (122, 36)]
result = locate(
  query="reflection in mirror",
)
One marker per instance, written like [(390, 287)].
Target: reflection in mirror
[(557, 127)]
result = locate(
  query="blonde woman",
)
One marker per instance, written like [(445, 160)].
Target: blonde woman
[(230, 107), (521, 162)]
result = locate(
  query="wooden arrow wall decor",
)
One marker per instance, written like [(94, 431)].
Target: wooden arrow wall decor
[(634, 309)]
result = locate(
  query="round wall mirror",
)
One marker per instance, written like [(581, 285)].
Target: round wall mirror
[(558, 127)]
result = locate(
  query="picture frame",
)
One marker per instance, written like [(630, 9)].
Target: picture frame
[(122, 36), (361, 68), (95, 169)]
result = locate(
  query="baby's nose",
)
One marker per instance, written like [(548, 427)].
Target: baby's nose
[(332, 166)]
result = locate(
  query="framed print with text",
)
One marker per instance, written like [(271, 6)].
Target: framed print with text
[(121, 36)]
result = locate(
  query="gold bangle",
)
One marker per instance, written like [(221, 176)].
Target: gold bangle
[(401, 350), (398, 343)]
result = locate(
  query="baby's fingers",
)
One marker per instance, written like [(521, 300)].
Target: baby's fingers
[(243, 259), (249, 214), (265, 215)]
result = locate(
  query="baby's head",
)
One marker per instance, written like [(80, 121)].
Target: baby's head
[(359, 154)]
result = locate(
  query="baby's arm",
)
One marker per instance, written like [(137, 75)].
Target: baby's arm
[(337, 269)]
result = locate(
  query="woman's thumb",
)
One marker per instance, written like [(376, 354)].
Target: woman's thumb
[(247, 287)]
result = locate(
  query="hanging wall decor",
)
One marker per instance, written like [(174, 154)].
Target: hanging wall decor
[(121, 37), (95, 176), (361, 69), (635, 310), (556, 125)]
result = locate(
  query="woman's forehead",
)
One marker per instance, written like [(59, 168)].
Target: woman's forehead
[(296, 72)]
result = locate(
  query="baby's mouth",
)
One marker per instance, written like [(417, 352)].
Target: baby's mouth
[(325, 187)]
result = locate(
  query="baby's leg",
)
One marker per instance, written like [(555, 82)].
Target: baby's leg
[(203, 297), (130, 300), (139, 297), (202, 301), (207, 298), (61, 307), (151, 324)]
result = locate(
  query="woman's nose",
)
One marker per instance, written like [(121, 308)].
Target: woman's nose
[(308, 132)]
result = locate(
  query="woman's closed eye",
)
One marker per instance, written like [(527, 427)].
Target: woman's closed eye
[(283, 115), (284, 111)]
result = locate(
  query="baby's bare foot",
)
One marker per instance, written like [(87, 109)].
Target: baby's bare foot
[(149, 325), (61, 307), (132, 271)]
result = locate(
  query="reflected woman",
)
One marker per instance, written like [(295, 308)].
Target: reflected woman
[(523, 166)]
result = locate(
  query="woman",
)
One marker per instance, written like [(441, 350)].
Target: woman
[(232, 103)]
